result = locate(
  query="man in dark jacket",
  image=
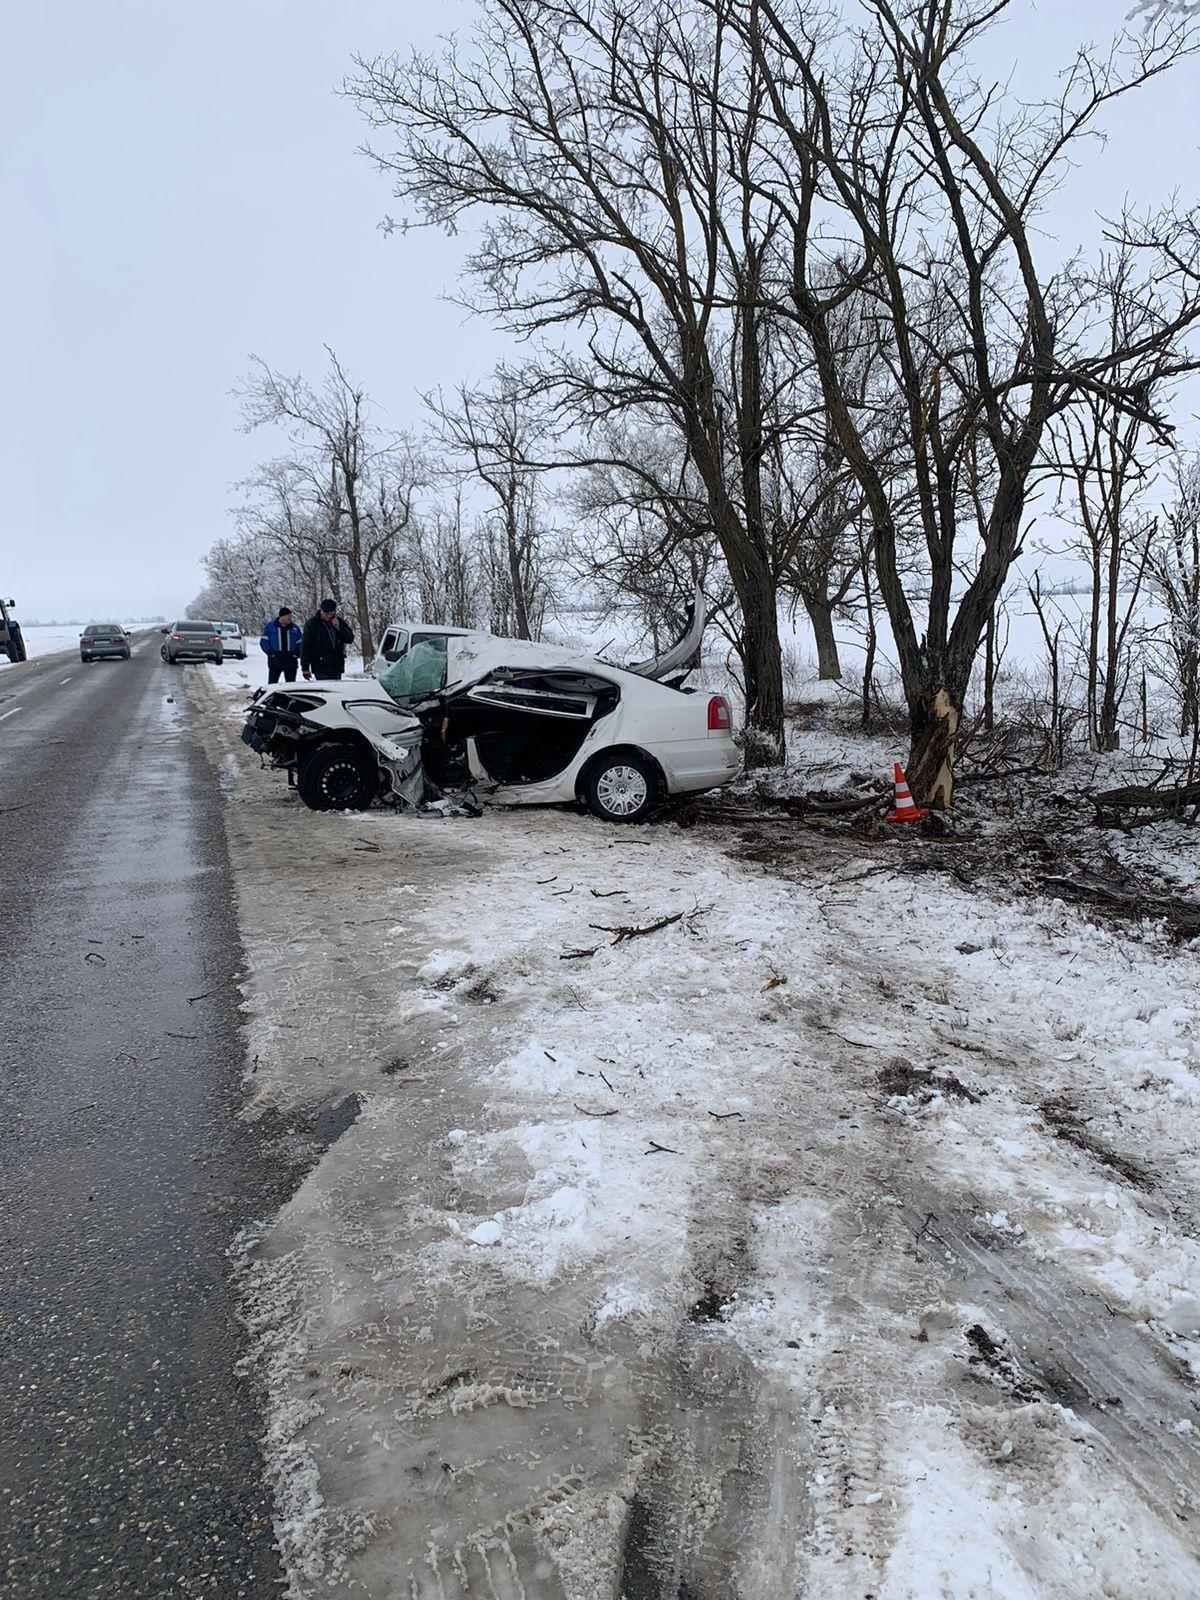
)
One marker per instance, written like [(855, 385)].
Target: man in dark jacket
[(323, 647), (280, 643)]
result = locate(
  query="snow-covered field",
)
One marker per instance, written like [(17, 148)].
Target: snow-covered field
[(40, 641), (45, 640), (725, 1213)]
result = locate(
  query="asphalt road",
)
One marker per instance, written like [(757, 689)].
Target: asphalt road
[(129, 1462)]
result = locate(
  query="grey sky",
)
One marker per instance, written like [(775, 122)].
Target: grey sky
[(180, 187)]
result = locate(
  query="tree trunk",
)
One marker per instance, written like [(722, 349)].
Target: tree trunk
[(989, 673), (362, 605), (820, 614), (935, 717), (516, 568), (764, 739)]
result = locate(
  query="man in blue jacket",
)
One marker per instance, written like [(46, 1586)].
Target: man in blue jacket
[(281, 643)]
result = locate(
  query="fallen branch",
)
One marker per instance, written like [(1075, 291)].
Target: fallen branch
[(584, 1112), (1182, 916), (577, 955), (635, 931), (660, 1149)]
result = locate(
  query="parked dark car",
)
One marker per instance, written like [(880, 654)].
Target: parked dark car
[(103, 639), (193, 641)]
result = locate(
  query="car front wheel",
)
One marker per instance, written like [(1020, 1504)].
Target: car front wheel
[(621, 788), (337, 777)]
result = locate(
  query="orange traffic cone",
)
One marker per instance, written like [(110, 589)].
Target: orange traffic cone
[(906, 810)]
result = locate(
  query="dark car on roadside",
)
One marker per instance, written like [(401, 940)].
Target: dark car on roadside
[(193, 641), (100, 640)]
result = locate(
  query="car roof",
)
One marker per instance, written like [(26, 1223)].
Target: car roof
[(429, 627), (474, 655)]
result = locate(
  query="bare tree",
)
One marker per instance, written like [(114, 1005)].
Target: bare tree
[(604, 146), (1107, 456), (1175, 578), (904, 181), (445, 570), (502, 433), (361, 480)]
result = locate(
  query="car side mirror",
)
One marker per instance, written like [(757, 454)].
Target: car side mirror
[(164, 630)]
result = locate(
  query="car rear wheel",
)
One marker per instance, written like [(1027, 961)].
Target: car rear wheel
[(337, 777), (621, 788)]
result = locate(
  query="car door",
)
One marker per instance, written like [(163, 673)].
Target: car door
[(525, 726), (393, 644)]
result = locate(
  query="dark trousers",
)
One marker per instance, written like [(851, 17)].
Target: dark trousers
[(282, 662)]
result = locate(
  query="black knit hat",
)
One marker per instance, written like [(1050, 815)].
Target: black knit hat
[(284, 611)]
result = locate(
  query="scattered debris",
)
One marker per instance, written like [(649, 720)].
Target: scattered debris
[(1138, 805), (902, 1080)]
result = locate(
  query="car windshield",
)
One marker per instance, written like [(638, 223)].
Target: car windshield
[(193, 627), (422, 671)]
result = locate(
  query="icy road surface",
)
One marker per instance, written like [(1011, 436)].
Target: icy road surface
[(129, 1458), (836, 1238)]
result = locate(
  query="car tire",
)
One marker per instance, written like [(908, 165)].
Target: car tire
[(622, 787), (84, 658), (337, 776), (16, 645)]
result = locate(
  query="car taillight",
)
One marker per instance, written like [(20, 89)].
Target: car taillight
[(718, 714), (176, 638)]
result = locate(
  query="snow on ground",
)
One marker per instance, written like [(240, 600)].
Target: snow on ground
[(697, 1219)]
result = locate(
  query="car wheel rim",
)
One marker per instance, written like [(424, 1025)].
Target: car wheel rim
[(622, 790), (339, 781)]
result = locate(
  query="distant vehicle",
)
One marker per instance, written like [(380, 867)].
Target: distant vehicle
[(103, 639), (515, 722), (12, 642), (233, 640), (192, 641)]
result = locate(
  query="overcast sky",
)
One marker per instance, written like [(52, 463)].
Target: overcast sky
[(180, 187)]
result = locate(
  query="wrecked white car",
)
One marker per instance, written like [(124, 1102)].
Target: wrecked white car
[(506, 720)]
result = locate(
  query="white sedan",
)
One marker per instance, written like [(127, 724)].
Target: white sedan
[(233, 640), (514, 722)]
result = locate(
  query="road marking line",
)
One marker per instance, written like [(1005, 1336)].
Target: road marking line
[(11, 713), (65, 680)]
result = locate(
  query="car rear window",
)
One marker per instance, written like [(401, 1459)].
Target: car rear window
[(194, 627), (102, 627)]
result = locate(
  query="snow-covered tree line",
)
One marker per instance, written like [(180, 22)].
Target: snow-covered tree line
[(790, 322)]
